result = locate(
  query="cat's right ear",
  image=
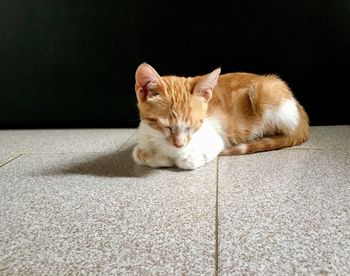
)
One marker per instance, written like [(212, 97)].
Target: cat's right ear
[(204, 88), (148, 83)]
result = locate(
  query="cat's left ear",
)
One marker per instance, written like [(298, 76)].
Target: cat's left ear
[(206, 84), (148, 82)]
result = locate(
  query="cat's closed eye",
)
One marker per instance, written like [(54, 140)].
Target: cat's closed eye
[(169, 129)]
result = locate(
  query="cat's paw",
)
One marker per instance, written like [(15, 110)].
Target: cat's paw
[(140, 156), (151, 159), (190, 163)]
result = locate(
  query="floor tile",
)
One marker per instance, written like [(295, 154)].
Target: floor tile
[(328, 137), (99, 213), (285, 213), (5, 158), (63, 140)]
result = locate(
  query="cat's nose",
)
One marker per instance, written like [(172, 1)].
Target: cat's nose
[(178, 144), (179, 140)]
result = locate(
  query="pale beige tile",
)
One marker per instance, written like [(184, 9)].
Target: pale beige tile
[(285, 213)]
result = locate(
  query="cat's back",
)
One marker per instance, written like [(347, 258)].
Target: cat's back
[(241, 91), (237, 80), (239, 84)]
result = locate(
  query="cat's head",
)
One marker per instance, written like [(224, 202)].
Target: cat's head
[(174, 106)]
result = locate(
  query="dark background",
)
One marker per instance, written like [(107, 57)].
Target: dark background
[(72, 63)]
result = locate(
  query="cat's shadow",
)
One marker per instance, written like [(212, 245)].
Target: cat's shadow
[(113, 164)]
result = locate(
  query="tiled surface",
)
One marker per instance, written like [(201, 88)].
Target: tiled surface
[(4, 158), (63, 140), (100, 213), (285, 212), (74, 202)]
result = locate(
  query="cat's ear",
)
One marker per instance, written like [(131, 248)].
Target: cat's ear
[(206, 84), (148, 83)]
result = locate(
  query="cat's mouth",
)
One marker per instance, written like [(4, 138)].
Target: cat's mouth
[(175, 145)]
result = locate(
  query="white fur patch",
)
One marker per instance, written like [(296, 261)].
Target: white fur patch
[(242, 148), (285, 117), (205, 145)]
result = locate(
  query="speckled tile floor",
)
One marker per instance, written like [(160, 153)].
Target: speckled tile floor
[(73, 202)]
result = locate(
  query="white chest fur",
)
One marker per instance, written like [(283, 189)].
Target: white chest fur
[(204, 147)]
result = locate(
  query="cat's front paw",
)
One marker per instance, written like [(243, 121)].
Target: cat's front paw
[(190, 163), (152, 159), (140, 156)]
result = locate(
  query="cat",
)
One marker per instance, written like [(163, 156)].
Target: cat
[(187, 122)]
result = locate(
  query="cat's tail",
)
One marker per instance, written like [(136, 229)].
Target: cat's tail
[(283, 140), (263, 144)]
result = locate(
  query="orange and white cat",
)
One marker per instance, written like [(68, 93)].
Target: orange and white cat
[(187, 122)]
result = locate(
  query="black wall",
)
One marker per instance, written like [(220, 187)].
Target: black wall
[(72, 63)]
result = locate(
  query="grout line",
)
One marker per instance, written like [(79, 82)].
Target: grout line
[(217, 218), (132, 135), (11, 160)]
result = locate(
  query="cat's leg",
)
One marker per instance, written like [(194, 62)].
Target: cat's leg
[(148, 158)]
